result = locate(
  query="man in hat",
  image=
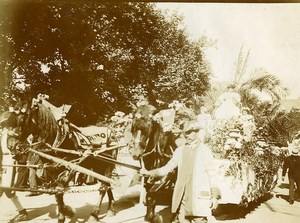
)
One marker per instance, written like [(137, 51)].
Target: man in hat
[(292, 165), (195, 194)]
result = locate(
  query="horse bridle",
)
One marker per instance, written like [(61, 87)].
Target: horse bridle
[(157, 149)]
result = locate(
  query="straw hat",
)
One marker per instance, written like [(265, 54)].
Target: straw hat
[(191, 126)]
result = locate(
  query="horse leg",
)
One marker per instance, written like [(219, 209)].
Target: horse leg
[(63, 210), (111, 202), (60, 205), (150, 204), (94, 215)]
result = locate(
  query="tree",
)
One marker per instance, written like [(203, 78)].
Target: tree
[(259, 80), (91, 55), (284, 126), (268, 114)]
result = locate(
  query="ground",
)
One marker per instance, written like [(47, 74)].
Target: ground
[(273, 208)]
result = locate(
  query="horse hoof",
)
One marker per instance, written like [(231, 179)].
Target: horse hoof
[(92, 219), (68, 211), (157, 219), (61, 220), (110, 213), (148, 218), (19, 218)]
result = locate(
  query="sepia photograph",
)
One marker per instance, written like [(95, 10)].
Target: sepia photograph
[(149, 111)]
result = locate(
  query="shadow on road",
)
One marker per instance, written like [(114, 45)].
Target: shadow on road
[(126, 202), (38, 212), (83, 213), (234, 211), (285, 196), (283, 186)]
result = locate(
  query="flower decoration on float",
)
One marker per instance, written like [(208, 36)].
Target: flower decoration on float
[(118, 122), (166, 119), (141, 103), (176, 105)]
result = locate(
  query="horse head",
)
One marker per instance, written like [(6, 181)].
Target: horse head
[(17, 119), (31, 117), (11, 124), (142, 125), (153, 138)]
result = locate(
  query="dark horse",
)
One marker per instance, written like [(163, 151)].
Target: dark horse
[(154, 146), (36, 120)]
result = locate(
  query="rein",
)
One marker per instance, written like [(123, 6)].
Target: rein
[(157, 149)]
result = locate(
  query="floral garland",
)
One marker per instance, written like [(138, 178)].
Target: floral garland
[(230, 141), (119, 122)]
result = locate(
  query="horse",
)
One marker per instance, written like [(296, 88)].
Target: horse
[(153, 143), (35, 120)]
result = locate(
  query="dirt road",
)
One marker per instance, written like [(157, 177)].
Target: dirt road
[(270, 209)]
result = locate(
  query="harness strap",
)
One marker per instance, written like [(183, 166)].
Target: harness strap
[(61, 134)]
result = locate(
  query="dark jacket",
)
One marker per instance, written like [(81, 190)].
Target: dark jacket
[(292, 164)]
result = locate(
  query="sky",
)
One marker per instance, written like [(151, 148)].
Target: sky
[(270, 31)]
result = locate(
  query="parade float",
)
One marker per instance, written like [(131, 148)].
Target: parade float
[(247, 163)]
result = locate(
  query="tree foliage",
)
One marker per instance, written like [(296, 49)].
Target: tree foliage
[(92, 55), (284, 126)]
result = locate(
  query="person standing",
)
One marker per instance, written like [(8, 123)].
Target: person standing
[(195, 194), (22, 171), (6, 156), (292, 165), (228, 104), (34, 160)]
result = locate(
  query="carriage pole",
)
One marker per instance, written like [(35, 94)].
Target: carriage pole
[(81, 153), (100, 157), (75, 167)]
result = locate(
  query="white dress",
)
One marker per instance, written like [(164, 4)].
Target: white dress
[(206, 122)]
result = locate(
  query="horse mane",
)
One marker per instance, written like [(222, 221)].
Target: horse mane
[(157, 150), (45, 124), (144, 111), (147, 109)]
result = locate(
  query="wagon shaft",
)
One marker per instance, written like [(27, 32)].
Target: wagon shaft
[(77, 168), (103, 158), (102, 150), (27, 166), (79, 153), (65, 150), (109, 160)]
